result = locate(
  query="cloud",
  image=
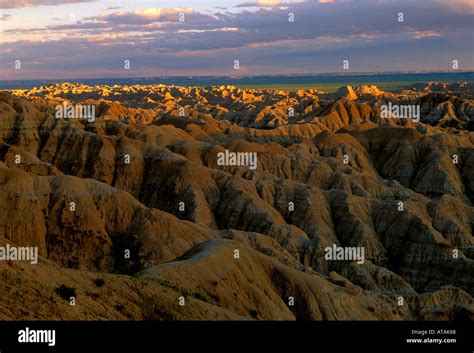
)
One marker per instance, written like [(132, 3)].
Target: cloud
[(16, 4), (263, 3), (364, 31), (280, 3), (159, 14), (460, 6), (151, 15), (424, 34), (162, 55), (312, 20)]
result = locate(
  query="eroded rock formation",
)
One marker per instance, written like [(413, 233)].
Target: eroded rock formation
[(144, 177)]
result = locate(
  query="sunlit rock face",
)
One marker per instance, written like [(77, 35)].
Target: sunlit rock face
[(142, 197)]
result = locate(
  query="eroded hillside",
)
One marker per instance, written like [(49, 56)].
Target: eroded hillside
[(238, 243)]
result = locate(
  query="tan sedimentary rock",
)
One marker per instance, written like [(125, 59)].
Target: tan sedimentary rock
[(144, 177)]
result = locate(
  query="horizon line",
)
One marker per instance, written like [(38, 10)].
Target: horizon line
[(354, 73)]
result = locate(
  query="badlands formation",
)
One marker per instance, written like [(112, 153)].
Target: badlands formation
[(133, 215)]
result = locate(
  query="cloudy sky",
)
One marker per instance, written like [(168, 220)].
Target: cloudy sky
[(85, 39)]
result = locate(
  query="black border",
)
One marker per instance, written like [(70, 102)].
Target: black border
[(237, 336)]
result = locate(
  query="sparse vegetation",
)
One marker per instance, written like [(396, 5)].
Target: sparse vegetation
[(99, 282), (93, 295), (65, 292)]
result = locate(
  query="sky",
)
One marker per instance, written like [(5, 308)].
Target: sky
[(65, 39)]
